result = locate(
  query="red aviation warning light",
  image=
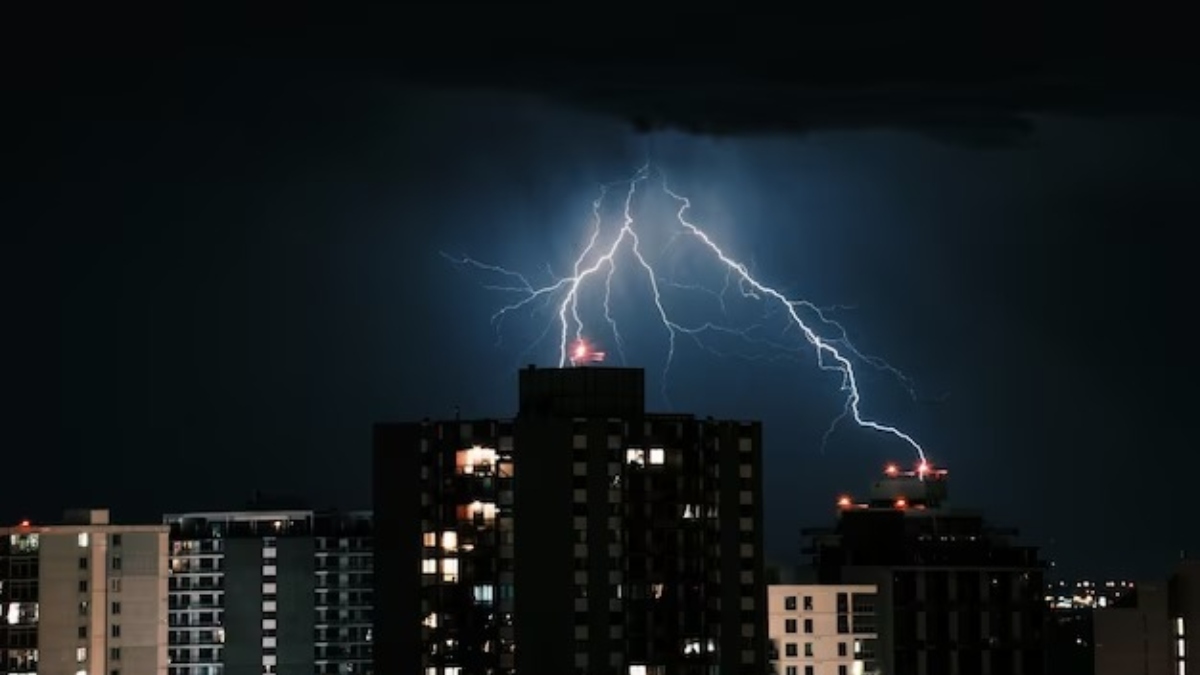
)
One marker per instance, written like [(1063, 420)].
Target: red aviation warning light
[(583, 354), (844, 502)]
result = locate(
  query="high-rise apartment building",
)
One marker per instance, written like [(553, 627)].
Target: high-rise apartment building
[(83, 597), (260, 591), (585, 536), (822, 629), (955, 594)]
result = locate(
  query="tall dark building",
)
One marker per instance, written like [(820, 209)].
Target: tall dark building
[(584, 536), (270, 591), (955, 594)]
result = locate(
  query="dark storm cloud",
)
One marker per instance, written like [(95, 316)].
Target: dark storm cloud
[(968, 76)]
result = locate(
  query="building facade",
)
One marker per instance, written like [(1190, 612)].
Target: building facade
[(823, 629), (83, 597), (1150, 629), (955, 594), (1136, 633), (584, 536), (255, 592)]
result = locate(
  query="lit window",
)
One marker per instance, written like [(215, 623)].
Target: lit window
[(1179, 626), (451, 670), (636, 457), (450, 570), (429, 566), (484, 595), (637, 670), (429, 539), (80, 654), (430, 621), (83, 540), (658, 456), (450, 541), (1179, 646), (477, 511), (475, 460), (691, 647)]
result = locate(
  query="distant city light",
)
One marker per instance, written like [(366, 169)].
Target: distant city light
[(1066, 595)]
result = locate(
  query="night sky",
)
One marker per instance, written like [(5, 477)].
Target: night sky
[(223, 266)]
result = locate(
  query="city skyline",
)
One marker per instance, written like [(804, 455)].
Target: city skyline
[(265, 501)]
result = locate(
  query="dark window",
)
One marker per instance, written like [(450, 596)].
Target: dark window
[(83, 563), (83, 586), (116, 608), (789, 603), (808, 603), (789, 626), (114, 654), (808, 626), (83, 632), (116, 541), (116, 630), (842, 649)]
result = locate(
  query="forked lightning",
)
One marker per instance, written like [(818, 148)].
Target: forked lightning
[(602, 258)]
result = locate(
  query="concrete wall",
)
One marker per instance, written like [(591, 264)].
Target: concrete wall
[(103, 608), (1135, 640)]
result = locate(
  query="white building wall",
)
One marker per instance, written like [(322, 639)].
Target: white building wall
[(815, 642)]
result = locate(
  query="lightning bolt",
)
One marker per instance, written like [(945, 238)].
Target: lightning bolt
[(600, 260)]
